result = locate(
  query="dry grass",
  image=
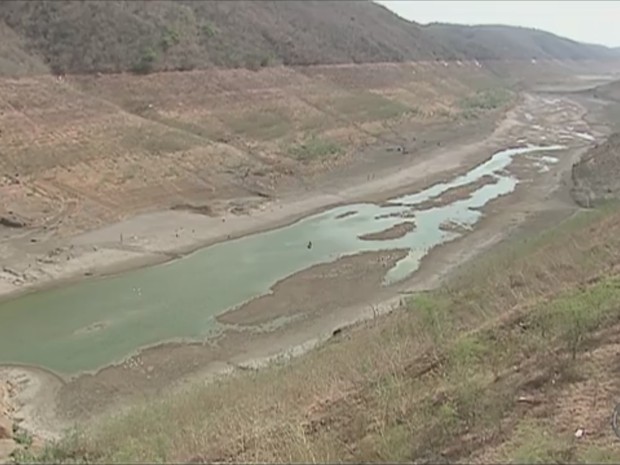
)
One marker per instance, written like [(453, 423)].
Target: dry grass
[(439, 379), (264, 125)]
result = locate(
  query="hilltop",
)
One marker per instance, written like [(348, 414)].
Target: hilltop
[(496, 42), (116, 36)]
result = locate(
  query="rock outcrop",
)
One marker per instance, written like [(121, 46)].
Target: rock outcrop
[(12, 221), (596, 177), (7, 441)]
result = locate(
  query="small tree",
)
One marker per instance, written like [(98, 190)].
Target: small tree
[(169, 38), (576, 326), (146, 62)]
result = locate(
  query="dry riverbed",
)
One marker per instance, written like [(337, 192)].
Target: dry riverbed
[(308, 306)]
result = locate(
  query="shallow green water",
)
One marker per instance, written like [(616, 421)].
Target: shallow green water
[(93, 323)]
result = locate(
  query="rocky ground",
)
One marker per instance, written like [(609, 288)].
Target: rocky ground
[(7, 441), (13, 437), (596, 178)]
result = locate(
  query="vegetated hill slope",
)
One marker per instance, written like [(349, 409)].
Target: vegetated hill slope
[(114, 36), (513, 43)]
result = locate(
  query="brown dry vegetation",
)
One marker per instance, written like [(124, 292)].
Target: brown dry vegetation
[(497, 366)]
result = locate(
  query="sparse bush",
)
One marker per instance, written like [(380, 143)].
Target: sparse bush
[(208, 30), (315, 148), (22, 436), (146, 62), (467, 353), (576, 325), (574, 316), (434, 315), (170, 38), (485, 100), (67, 450), (533, 443), (186, 64), (257, 61)]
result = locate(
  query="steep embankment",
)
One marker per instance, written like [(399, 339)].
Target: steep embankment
[(596, 178)]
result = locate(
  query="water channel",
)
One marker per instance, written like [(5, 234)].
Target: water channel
[(90, 324)]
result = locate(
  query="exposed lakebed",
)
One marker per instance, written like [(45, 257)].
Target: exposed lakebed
[(93, 323)]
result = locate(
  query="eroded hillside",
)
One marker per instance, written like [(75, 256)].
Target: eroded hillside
[(93, 149)]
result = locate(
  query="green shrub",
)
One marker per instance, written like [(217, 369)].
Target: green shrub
[(169, 38), (314, 148), (146, 62)]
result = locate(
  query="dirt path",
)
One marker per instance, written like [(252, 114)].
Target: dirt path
[(328, 296)]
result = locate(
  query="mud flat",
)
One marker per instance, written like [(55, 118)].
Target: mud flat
[(454, 194), (393, 232), (321, 288), (346, 214), (453, 226), (30, 398)]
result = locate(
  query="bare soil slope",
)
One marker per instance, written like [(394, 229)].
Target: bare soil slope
[(89, 150)]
